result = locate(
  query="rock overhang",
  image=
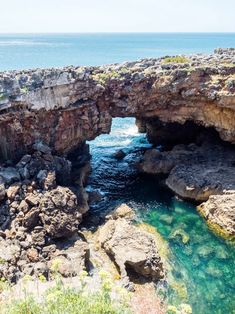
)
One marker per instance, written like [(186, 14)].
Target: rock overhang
[(65, 107)]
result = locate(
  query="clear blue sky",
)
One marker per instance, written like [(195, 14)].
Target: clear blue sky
[(117, 16)]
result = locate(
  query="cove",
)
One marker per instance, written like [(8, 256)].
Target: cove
[(201, 264)]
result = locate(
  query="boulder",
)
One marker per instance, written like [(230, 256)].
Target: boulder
[(131, 248), (219, 212), (59, 212), (13, 190), (39, 146), (119, 154)]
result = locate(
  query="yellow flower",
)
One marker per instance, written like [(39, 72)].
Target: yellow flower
[(104, 274), (171, 309), (56, 264), (83, 274), (42, 278)]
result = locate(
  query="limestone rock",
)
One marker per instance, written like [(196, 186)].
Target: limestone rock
[(194, 171), (81, 106), (132, 249), (219, 212), (13, 190), (72, 260)]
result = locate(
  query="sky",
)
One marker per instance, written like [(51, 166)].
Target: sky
[(50, 16)]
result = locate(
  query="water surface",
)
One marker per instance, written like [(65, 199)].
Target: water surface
[(56, 50), (202, 271)]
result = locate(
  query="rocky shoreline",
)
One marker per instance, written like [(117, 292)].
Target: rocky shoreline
[(40, 215), (46, 116), (202, 173)]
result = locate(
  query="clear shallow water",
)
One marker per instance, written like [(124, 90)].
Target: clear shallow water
[(56, 50), (202, 265)]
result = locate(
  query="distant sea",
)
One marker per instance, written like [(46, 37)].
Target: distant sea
[(24, 51)]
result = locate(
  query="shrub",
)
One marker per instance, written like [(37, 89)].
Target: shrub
[(62, 300), (176, 59), (102, 78)]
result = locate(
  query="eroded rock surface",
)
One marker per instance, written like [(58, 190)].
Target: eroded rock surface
[(219, 212), (35, 212), (193, 171), (65, 107), (131, 248)]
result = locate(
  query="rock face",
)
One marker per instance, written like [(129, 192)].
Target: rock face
[(219, 211), (35, 212), (202, 172), (131, 248), (65, 107), (193, 171)]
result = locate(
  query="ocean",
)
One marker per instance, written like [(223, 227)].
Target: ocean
[(202, 271), (24, 51)]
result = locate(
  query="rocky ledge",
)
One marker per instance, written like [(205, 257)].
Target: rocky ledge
[(200, 172), (65, 107)]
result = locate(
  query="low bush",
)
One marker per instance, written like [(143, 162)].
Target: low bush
[(176, 59)]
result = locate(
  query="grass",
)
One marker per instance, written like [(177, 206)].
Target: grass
[(64, 300), (176, 59)]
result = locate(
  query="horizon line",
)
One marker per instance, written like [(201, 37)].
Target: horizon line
[(116, 32)]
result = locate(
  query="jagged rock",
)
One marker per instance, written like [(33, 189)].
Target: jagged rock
[(32, 255), (36, 211), (194, 172), (72, 260), (13, 190), (219, 212), (122, 211), (31, 219), (60, 213), (2, 190), (131, 248), (81, 107), (119, 154), (9, 175), (47, 179), (39, 146), (9, 252)]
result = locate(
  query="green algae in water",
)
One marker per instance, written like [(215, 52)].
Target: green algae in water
[(202, 265)]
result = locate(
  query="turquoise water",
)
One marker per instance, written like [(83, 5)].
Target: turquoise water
[(56, 50), (202, 272), (202, 266)]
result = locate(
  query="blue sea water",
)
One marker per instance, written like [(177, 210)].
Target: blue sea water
[(23, 51), (203, 271)]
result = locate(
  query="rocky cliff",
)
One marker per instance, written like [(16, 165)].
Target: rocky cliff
[(65, 107)]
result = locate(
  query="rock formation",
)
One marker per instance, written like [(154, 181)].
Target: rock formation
[(65, 107), (35, 212), (131, 248), (219, 211)]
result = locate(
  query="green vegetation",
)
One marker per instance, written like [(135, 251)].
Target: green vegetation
[(24, 90), (2, 96), (64, 300), (176, 59), (102, 78)]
